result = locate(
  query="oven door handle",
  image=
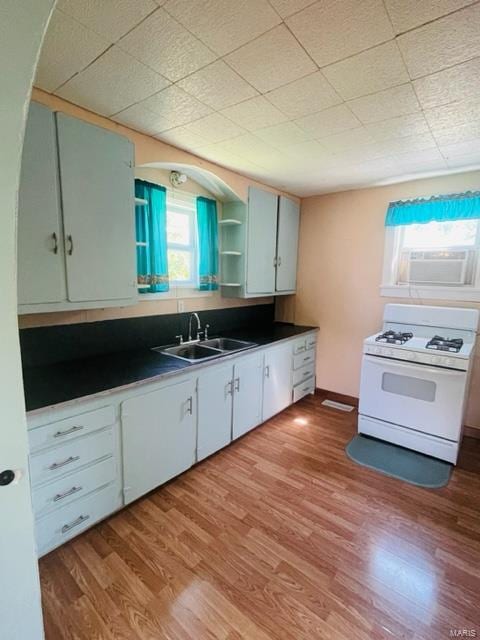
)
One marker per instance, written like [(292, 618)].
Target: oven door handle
[(383, 362)]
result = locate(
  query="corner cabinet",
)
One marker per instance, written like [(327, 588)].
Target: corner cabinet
[(76, 222), (259, 246)]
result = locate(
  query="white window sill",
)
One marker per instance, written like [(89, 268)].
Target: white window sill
[(175, 293), (461, 294)]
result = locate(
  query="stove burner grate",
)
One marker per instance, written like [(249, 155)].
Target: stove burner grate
[(394, 337), (445, 344)]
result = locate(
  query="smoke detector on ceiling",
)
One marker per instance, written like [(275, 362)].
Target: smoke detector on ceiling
[(177, 178)]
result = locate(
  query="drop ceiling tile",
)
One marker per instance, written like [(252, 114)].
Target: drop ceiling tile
[(183, 138), (218, 86), (422, 160), (453, 115), (255, 113), (467, 162), (304, 153), (443, 43), (307, 95), (288, 7), (368, 72), (408, 144), (215, 128), (220, 155), (470, 147), (272, 60), (334, 29), (248, 146), (407, 14), (113, 82), (399, 127), (224, 25), (456, 135), (111, 19), (176, 106), (347, 139), (457, 83), (282, 135), (329, 121), (67, 49), (384, 105), (164, 45), (141, 119)]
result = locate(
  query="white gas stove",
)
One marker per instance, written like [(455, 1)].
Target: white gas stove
[(415, 375)]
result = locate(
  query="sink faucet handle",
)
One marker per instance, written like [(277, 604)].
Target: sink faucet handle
[(180, 339), (207, 327)]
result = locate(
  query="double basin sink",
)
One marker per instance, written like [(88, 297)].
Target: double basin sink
[(206, 350)]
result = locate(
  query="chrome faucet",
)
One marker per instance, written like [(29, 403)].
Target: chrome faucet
[(199, 326)]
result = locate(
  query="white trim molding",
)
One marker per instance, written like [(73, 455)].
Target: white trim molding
[(462, 294)]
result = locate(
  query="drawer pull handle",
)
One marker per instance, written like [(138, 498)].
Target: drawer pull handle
[(190, 405), (58, 465), (74, 429), (306, 388), (307, 358), (70, 492), (306, 374), (229, 389), (237, 384), (75, 523), (300, 349)]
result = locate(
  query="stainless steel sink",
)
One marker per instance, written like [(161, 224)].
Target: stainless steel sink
[(228, 344), (205, 350), (190, 352)]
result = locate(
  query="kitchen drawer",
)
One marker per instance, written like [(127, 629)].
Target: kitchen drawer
[(72, 487), (302, 359), (56, 462), (67, 522), (302, 374), (303, 389), (62, 431), (311, 342), (299, 346)]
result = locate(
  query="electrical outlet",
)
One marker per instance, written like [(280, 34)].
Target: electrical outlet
[(180, 306)]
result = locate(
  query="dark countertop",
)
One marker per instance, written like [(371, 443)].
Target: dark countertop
[(54, 384)]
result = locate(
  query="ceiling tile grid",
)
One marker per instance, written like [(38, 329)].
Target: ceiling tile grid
[(307, 95)]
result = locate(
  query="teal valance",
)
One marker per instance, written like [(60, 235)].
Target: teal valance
[(207, 224), (151, 230), (458, 206)]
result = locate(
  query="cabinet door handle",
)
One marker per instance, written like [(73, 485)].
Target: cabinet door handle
[(75, 523), (67, 432), (70, 492), (70, 243), (279, 261), (55, 243), (229, 388), (190, 405), (275, 262), (58, 465), (267, 371), (237, 384)]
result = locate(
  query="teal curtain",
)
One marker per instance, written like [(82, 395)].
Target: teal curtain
[(459, 206), (207, 224), (151, 228)]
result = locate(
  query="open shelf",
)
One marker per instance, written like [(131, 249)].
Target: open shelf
[(142, 244), (229, 221), (231, 253), (143, 286), (140, 202), (230, 284)]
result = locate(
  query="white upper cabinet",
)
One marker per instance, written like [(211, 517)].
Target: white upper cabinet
[(41, 273), (96, 167), (261, 241), (287, 244), (76, 222)]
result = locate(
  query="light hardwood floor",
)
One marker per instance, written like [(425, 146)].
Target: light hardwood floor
[(278, 537)]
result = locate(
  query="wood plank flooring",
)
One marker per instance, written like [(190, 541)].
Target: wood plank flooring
[(278, 537)]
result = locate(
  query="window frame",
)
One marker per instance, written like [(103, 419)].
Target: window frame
[(390, 287), (186, 208)]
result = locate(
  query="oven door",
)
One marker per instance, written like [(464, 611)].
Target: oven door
[(428, 399)]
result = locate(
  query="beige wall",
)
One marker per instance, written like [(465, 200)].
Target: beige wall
[(147, 150), (340, 270)]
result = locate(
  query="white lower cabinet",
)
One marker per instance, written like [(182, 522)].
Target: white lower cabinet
[(277, 384), (215, 393), (77, 454), (159, 436), (248, 394)]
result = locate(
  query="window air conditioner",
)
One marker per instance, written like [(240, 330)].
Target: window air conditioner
[(446, 267)]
